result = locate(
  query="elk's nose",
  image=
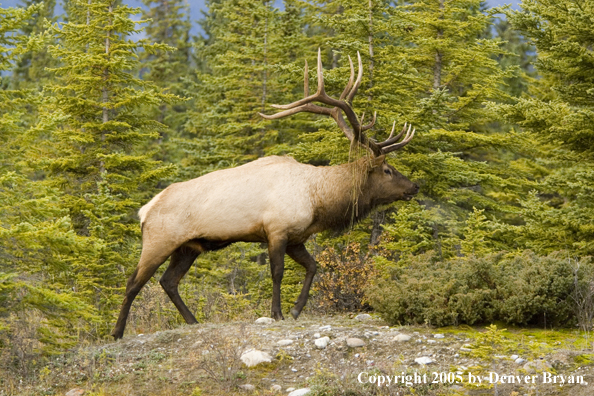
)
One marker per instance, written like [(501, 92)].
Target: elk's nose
[(416, 187)]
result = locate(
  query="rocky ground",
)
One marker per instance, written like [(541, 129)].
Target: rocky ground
[(342, 355)]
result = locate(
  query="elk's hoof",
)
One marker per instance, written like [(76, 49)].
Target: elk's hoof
[(117, 335), (277, 316), (295, 313)]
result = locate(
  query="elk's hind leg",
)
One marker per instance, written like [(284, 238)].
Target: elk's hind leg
[(148, 264), (181, 261), (302, 257)]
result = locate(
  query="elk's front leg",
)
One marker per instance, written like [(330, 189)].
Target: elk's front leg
[(302, 257), (276, 251)]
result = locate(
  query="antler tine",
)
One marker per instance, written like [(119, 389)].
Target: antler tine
[(392, 131), (394, 139), (351, 94), (403, 143), (321, 90), (371, 124), (319, 95), (347, 89), (306, 81)]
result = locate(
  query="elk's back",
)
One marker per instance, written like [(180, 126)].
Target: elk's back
[(249, 203)]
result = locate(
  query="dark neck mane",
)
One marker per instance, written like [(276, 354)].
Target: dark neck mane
[(341, 196)]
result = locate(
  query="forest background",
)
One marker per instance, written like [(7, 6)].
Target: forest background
[(103, 106)]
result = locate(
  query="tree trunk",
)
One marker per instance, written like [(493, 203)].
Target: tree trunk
[(105, 98), (438, 59)]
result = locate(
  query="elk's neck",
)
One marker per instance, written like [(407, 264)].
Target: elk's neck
[(341, 197)]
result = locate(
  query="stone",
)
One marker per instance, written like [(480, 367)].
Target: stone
[(423, 360), (402, 338), (520, 360), (322, 343), (284, 342), (290, 389), (248, 387), (355, 342), (255, 357), (514, 357), (300, 392), (276, 388), (75, 392), (439, 336), (363, 317), (264, 320), (324, 328), (317, 335), (431, 341)]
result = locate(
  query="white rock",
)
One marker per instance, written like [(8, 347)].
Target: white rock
[(284, 342), (290, 389), (355, 342), (514, 357), (431, 341), (322, 342), (520, 360), (363, 317), (248, 387), (254, 357), (276, 388), (402, 338), (324, 328), (439, 336), (423, 360), (457, 355), (75, 392), (300, 392), (317, 335), (264, 320)]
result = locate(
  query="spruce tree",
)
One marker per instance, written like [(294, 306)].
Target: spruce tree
[(558, 119), (168, 23), (36, 238), (98, 115)]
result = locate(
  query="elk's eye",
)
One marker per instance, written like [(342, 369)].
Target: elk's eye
[(387, 171)]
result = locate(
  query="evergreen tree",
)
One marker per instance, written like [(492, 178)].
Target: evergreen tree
[(98, 116), (168, 23), (31, 67), (36, 239), (558, 119)]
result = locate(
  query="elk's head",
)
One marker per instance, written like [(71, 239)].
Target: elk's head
[(383, 184)]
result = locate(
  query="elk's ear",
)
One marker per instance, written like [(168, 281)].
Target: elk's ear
[(377, 161)]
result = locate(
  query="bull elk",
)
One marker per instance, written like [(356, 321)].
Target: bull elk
[(275, 200)]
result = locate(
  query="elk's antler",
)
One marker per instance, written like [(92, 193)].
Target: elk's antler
[(354, 132)]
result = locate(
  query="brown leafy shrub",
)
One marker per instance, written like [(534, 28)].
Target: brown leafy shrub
[(342, 278)]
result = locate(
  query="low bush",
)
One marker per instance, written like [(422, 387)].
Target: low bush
[(516, 289)]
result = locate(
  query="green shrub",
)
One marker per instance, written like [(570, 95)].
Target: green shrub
[(516, 289)]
